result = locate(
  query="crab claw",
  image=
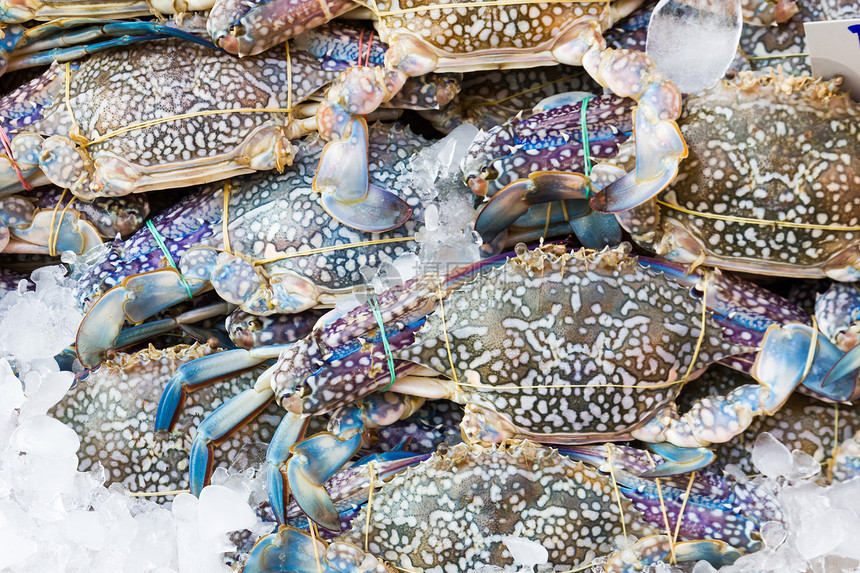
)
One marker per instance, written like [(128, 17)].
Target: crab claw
[(347, 195), (516, 199), (678, 460), (136, 298), (249, 27), (298, 552), (313, 462), (65, 232), (655, 548), (660, 147), (842, 379)]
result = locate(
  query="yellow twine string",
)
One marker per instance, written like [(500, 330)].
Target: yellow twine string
[(683, 507), (51, 242), (52, 247), (702, 333), (75, 130), (440, 295), (225, 217), (473, 5), (764, 222), (313, 529), (672, 557), (610, 457), (322, 250), (157, 493), (548, 215), (372, 468), (524, 92), (777, 56)]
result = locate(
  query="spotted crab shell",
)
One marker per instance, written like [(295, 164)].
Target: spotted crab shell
[(453, 512)]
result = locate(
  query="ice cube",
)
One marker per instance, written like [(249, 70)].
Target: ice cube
[(773, 534), (46, 437), (223, 510), (15, 549), (84, 528), (770, 457), (693, 42), (525, 551)]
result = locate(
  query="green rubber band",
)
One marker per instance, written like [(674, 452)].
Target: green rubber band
[(586, 149), (160, 242), (377, 314)]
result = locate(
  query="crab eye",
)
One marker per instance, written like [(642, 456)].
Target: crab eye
[(237, 30), (490, 173)]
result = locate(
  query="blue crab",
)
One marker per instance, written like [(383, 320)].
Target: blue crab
[(774, 36), (519, 163), (429, 37), (720, 507), (112, 408), (777, 201), (116, 135), (458, 510), (45, 222), (803, 423), (588, 368), (259, 265)]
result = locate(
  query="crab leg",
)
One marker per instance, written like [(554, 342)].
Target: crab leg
[(218, 426), (204, 371), (315, 460), (349, 488), (36, 47)]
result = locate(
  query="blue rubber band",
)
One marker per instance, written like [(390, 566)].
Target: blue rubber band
[(160, 242), (377, 314)]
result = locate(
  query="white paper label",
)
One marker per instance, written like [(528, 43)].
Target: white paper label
[(834, 49)]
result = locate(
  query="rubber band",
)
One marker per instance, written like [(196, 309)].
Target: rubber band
[(377, 314), (7, 145), (369, 50), (586, 148), (160, 242), (224, 218), (764, 222)]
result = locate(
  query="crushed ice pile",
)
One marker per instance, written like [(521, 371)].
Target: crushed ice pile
[(56, 519), (822, 528)]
